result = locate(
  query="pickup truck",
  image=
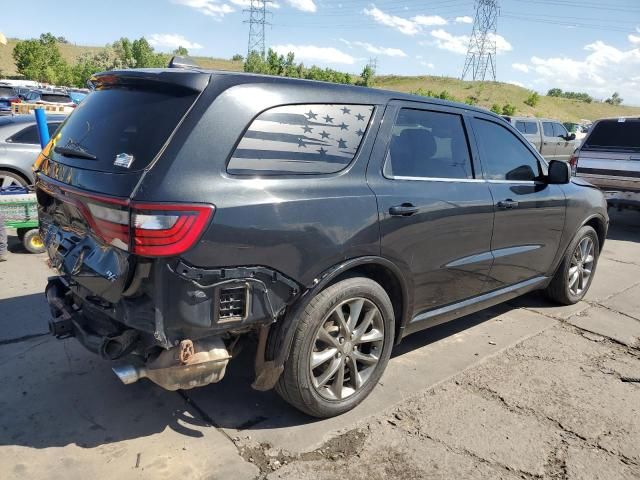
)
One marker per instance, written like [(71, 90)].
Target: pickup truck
[(549, 137), (609, 158)]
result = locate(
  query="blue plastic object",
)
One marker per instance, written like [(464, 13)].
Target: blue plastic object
[(43, 129)]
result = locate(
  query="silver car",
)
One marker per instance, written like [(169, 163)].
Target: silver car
[(19, 147)]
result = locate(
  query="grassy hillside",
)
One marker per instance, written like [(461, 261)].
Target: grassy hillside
[(487, 93)]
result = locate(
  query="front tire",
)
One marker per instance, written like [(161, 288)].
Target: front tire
[(340, 349), (575, 274)]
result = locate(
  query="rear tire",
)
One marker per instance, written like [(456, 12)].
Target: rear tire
[(8, 179), (32, 241), (575, 274), (341, 347)]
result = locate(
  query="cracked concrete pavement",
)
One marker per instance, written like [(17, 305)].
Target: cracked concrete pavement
[(525, 390)]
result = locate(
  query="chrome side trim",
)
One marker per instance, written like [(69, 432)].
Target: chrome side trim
[(505, 252), (459, 180), (484, 256), (437, 179), (479, 299)]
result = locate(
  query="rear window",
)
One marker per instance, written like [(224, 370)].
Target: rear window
[(622, 134), (528, 128), (6, 92), (301, 139), (132, 124), (55, 98)]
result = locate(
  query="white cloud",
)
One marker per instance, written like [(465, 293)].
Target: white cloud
[(429, 20), (314, 53), (171, 41), (304, 5), (460, 43), (403, 25), (465, 19), (427, 64), (521, 67), (452, 43), (247, 3), (517, 84), (212, 8), (501, 43), (635, 39), (602, 71), (389, 52)]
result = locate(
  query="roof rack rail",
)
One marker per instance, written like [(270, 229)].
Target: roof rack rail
[(183, 62)]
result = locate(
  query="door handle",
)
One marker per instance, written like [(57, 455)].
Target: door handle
[(507, 204), (404, 210)]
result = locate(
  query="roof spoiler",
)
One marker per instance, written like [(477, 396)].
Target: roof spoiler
[(182, 62)]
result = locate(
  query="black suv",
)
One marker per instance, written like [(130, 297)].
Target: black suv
[(189, 210)]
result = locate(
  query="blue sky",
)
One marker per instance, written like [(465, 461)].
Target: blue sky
[(585, 45)]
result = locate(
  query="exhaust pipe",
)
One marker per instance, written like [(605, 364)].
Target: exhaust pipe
[(129, 374), (189, 365)]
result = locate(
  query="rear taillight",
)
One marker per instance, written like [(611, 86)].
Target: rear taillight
[(146, 229), (573, 161), (15, 100), (161, 230)]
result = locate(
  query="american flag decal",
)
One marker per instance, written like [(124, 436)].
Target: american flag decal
[(302, 139)]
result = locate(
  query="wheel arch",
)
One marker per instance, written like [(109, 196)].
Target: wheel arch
[(379, 269), (16, 171), (599, 224)]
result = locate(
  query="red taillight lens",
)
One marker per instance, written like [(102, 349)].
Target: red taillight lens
[(15, 100), (147, 229), (166, 230)]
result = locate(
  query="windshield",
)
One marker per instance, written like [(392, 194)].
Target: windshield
[(53, 98), (122, 128), (620, 134), (6, 92)]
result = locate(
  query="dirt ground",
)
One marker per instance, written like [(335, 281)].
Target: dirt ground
[(526, 390)]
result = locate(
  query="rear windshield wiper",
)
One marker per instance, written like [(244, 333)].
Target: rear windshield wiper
[(74, 152)]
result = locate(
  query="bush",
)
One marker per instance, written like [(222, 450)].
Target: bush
[(508, 109), (495, 108), (237, 58), (580, 96), (614, 99), (533, 99)]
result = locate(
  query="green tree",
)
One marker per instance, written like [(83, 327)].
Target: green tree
[(144, 55), (495, 108), (554, 92), (533, 99), (89, 64), (41, 60), (237, 58), (366, 77), (615, 99), (183, 52)]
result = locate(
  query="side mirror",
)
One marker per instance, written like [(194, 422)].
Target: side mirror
[(572, 136), (559, 173)]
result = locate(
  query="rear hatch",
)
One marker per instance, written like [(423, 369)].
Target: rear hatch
[(89, 171), (610, 155)]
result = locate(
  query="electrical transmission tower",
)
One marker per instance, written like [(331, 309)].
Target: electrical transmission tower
[(481, 54), (257, 21)]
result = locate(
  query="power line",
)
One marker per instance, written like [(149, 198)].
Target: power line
[(481, 54), (257, 21)]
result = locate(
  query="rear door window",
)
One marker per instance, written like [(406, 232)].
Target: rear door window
[(301, 139), (504, 156), (122, 122), (531, 128), (622, 134), (521, 126), (428, 144), (27, 135)]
